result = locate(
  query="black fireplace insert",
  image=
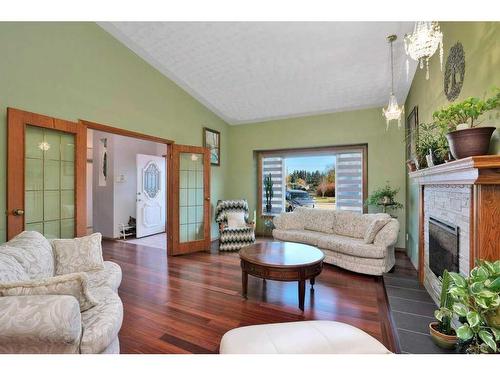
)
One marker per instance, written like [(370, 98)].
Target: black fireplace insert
[(443, 246)]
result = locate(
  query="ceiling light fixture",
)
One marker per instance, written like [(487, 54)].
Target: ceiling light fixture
[(393, 111), (423, 43)]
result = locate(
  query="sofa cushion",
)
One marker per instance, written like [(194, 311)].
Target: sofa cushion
[(74, 284), (303, 236), (11, 270), (33, 251), (353, 224), (102, 322), (78, 254), (289, 220), (110, 276), (372, 230), (318, 220), (351, 246)]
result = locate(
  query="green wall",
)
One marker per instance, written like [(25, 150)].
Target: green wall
[(78, 71), (386, 152), (481, 42)]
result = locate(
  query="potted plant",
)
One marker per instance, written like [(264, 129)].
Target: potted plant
[(477, 303), (384, 197), (431, 140), (268, 188), (441, 331), (465, 136)]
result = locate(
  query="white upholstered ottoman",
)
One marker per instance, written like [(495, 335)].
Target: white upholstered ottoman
[(307, 337)]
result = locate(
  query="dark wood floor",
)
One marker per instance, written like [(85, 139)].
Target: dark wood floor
[(185, 304)]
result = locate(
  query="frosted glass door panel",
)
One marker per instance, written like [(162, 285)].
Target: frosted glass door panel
[(191, 197), (49, 197)]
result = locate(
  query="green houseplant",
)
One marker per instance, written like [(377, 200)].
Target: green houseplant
[(460, 120), (431, 139), (441, 331), (268, 188), (384, 197), (477, 304)]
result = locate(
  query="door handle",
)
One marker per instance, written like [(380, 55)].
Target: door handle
[(18, 212), (207, 198)]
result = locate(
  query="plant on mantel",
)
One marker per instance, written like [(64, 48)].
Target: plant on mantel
[(460, 123), (431, 140)]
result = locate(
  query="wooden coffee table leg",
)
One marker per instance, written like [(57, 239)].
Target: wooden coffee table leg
[(244, 283), (302, 293), (313, 280)]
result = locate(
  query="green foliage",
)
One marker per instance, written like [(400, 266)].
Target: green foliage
[(384, 197), (431, 137), (465, 112), (476, 299), (445, 313), (268, 187)]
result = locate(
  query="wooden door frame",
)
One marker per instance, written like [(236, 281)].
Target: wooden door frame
[(84, 124), (196, 245), (17, 120)]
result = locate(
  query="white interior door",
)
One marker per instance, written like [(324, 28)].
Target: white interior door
[(151, 198)]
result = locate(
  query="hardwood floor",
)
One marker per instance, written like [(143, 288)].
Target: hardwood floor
[(185, 304)]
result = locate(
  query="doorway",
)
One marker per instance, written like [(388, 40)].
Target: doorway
[(126, 187)]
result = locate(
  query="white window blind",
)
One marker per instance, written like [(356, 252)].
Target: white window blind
[(349, 181), (274, 166)]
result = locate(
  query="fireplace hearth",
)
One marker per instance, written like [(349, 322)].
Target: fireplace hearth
[(443, 246)]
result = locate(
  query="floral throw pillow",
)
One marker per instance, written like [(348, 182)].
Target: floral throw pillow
[(78, 254), (74, 284)]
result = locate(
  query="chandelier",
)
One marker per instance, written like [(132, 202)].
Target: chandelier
[(393, 111), (424, 42)]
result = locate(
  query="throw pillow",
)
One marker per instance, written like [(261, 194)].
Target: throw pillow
[(375, 227), (11, 270), (236, 219), (78, 254), (74, 284)]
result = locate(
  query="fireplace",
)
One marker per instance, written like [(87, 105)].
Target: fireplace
[(443, 246)]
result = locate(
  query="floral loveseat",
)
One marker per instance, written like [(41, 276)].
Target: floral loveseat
[(47, 308), (361, 243)]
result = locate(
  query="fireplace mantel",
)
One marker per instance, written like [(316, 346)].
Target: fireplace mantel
[(480, 176), (469, 171)]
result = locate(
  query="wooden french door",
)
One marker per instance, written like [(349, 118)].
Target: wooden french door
[(46, 159), (191, 199)]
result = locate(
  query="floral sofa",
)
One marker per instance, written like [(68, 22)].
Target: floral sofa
[(361, 243), (45, 308)]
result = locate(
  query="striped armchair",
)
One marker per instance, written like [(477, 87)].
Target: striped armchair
[(233, 239)]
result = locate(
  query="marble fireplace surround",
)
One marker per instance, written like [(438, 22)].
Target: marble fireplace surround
[(465, 193)]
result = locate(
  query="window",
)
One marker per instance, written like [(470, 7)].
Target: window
[(324, 177)]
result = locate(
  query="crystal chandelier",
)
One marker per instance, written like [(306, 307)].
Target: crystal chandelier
[(424, 42), (393, 111)]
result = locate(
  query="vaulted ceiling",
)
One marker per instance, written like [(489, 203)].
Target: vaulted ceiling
[(256, 71)]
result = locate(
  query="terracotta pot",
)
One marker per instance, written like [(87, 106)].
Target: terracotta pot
[(440, 339), (470, 142)]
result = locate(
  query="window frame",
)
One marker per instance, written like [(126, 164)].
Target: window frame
[(260, 154)]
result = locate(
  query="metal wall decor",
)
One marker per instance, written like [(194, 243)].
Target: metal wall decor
[(454, 72)]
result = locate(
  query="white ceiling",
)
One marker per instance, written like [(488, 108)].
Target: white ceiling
[(255, 71)]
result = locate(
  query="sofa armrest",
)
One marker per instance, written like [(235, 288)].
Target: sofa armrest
[(388, 235), (40, 324)]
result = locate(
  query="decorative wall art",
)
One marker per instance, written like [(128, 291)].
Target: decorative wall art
[(211, 139), (454, 72), (412, 134)]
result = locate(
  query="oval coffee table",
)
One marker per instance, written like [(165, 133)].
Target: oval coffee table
[(281, 261)]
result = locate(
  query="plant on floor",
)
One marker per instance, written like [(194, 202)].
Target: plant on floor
[(441, 332), (268, 186), (477, 304), (431, 139), (384, 198)]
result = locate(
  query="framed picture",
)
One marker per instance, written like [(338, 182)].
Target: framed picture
[(412, 134), (211, 139)]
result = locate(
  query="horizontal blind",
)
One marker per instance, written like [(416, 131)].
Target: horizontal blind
[(275, 167), (349, 181)]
